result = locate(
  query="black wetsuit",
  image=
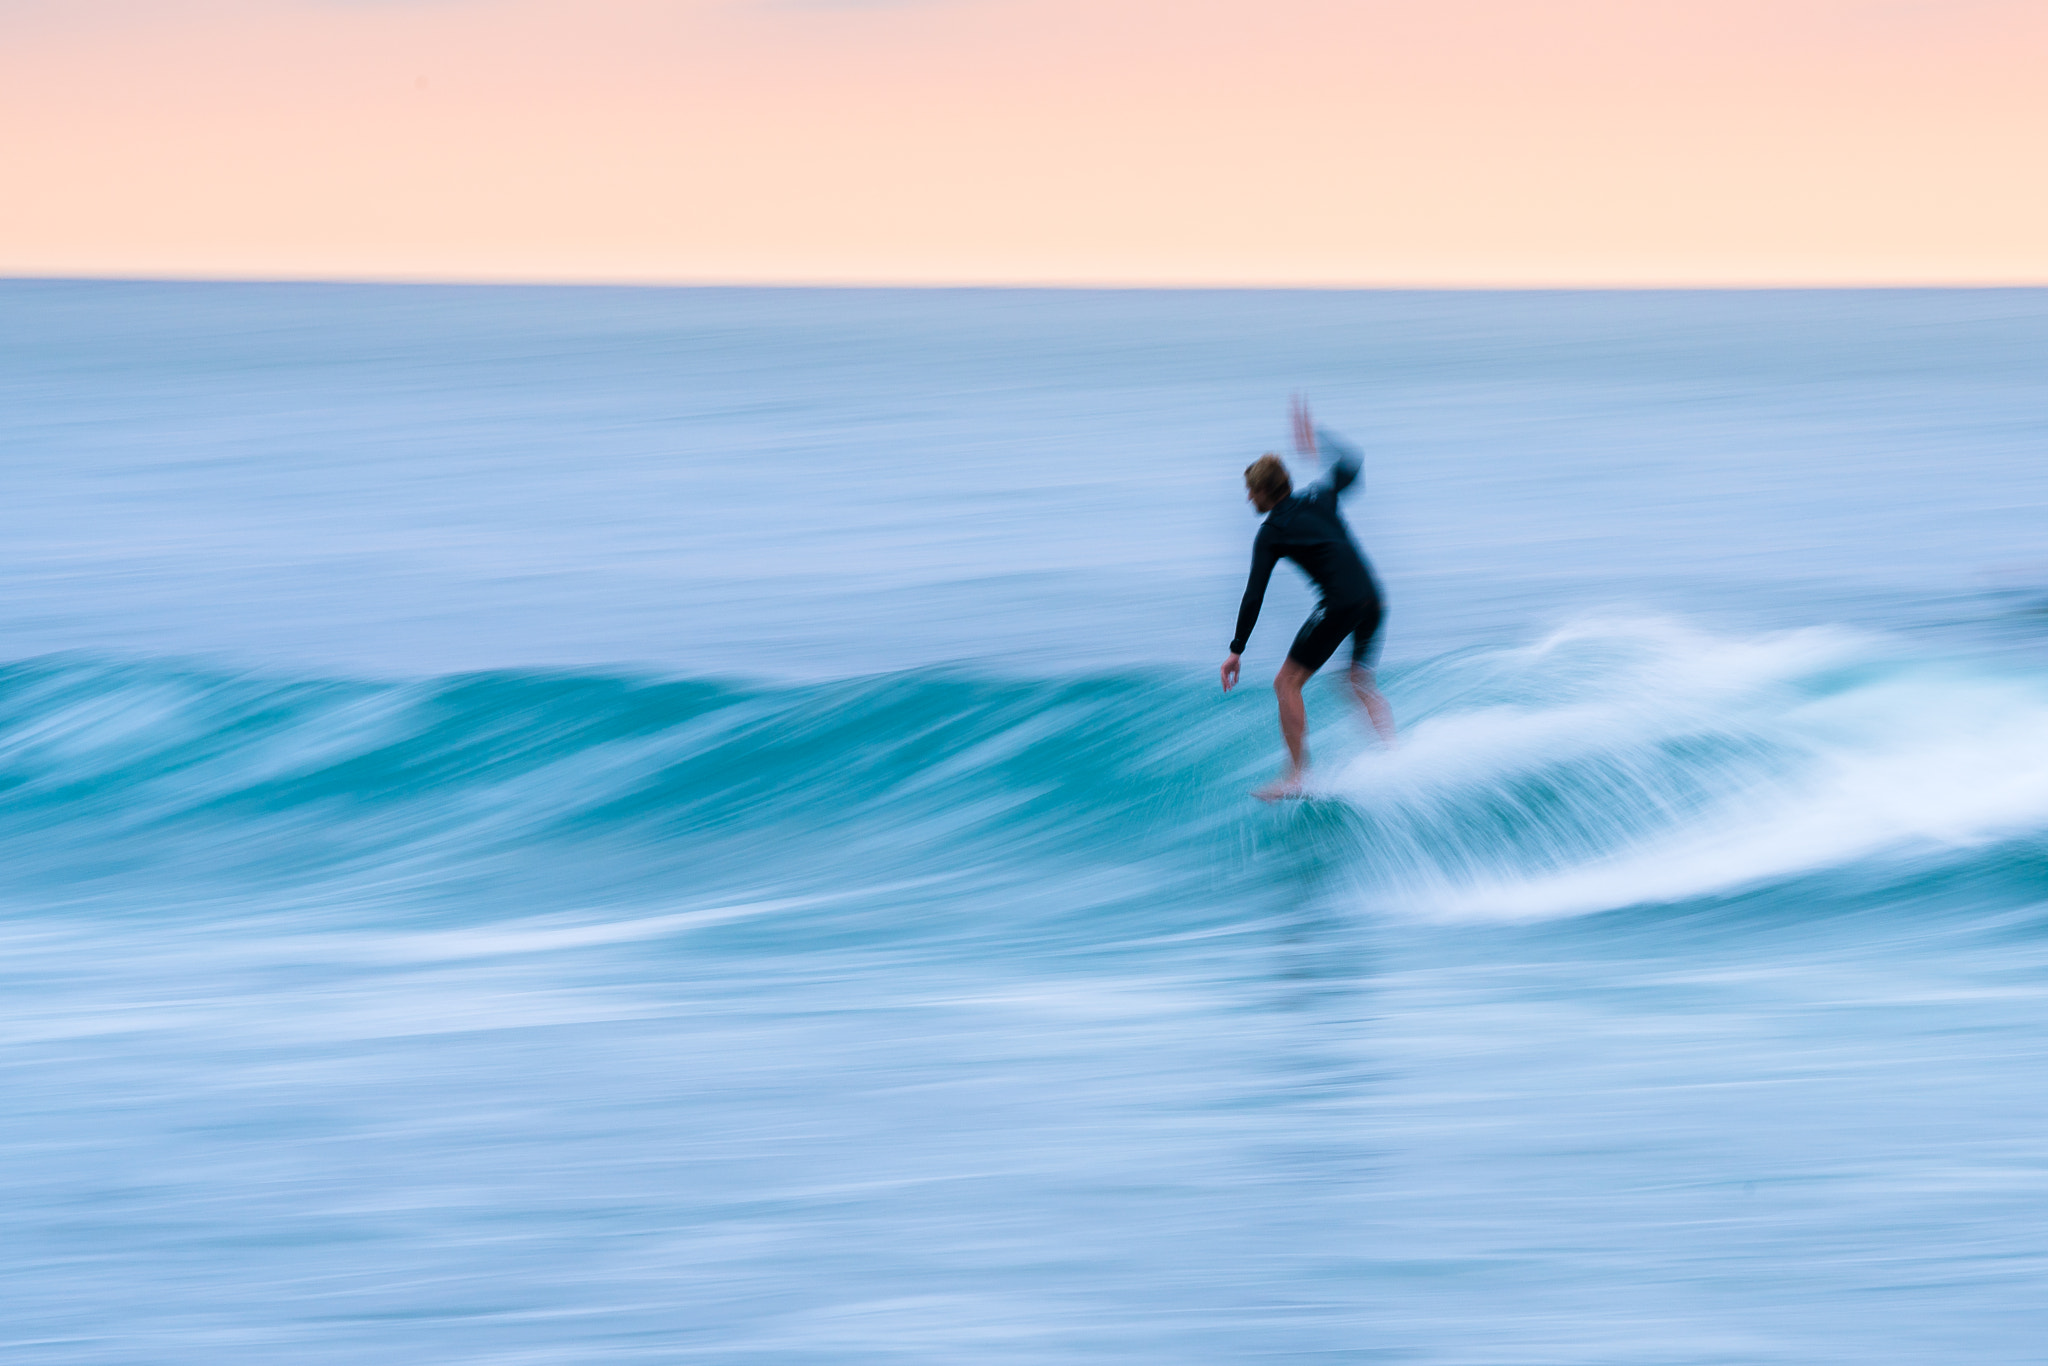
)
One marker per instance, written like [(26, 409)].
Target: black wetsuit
[(1307, 529)]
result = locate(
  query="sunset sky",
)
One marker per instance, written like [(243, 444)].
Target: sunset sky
[(1339, 142)]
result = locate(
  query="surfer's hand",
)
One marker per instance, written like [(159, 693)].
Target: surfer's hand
[(1304, 428), (1230, 672)]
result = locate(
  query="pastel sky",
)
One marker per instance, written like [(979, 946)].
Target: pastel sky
[(1465, 142)]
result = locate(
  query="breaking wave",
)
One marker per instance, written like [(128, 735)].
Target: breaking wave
[(1611, 765)]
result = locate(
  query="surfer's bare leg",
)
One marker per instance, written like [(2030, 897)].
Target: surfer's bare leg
[(1293, 729), (1368, 694)]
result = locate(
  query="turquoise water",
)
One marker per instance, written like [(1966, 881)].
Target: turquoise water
[(603, 825)]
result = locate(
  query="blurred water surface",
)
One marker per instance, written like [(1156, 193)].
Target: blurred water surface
[(600, 825)]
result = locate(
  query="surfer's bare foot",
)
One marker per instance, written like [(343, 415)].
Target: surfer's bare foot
[(1281, 788)]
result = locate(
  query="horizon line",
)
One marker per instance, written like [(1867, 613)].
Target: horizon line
[(537, 280)]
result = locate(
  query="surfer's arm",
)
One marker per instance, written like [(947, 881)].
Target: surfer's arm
[(1325, 445), (1345, 460), (1263, 560)]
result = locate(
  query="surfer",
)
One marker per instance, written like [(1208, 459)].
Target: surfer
[(1305, 527)]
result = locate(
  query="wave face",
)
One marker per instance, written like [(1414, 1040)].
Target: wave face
[(221, 782), (1611, 765)]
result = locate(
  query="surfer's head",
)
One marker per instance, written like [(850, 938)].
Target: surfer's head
[(1266, 482)]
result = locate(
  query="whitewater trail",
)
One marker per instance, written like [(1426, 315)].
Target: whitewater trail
[(1622, 764)]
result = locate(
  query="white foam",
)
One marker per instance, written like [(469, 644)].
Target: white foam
[(1886, 759)]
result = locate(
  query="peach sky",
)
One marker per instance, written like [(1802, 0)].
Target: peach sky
[(1084, 141)]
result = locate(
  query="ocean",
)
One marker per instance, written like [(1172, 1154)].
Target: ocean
[(573, 825)]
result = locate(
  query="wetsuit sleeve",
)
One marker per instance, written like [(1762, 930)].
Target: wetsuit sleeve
[(1263, 560), (1345, 459)]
